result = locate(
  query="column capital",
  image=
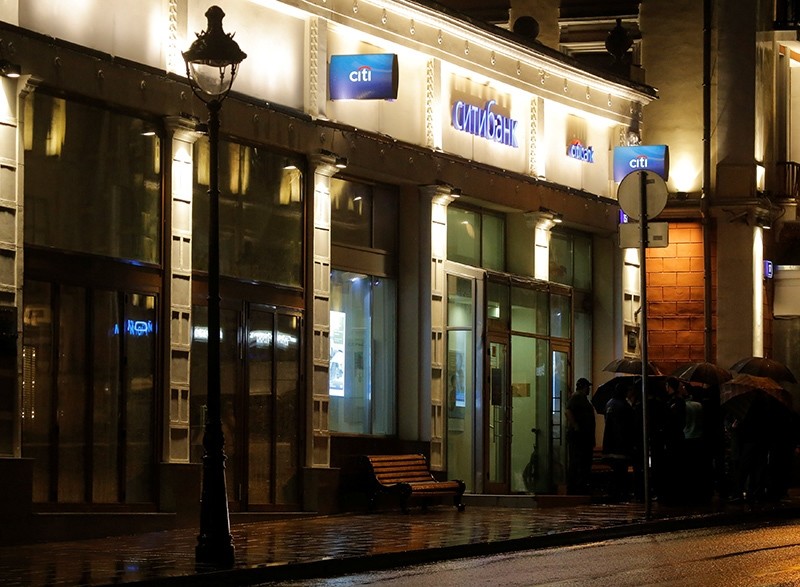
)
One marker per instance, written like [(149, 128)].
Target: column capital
[(182, 128), (441, 194), (327, 163)]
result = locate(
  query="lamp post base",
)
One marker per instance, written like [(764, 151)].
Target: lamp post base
[(214, 553)]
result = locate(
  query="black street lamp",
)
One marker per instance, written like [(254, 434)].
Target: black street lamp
[(211, 64)]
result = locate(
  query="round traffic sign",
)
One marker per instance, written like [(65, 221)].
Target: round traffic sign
[(629, 194)]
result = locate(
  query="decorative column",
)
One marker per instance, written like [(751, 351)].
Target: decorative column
[(319, 452), (11, 260), (182, 136), (440, 197)]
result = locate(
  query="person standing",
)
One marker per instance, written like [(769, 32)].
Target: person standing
[(580, 439), (618, 441)]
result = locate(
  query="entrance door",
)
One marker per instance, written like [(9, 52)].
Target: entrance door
[(559, 393), (260, 372), (498, 414)]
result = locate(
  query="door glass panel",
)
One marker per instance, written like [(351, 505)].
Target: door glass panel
[(105, 412), (140, 358), (558, 393), (287, 427), (259, 407), (71, 395), (37, 391), (498, 412), (530, 414), (529, 311), (560, 316), (460, 379), (229, 362), (231, 421)]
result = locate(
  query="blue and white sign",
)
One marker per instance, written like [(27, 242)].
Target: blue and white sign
[(653, 158), (576, 150), (482, 122), (371, 76)]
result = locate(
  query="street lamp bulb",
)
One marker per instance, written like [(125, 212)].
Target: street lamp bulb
[(213, 58)]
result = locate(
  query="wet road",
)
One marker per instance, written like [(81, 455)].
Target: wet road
[(741, 556)]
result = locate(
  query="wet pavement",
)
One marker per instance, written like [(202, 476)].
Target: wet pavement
[(331, 545)]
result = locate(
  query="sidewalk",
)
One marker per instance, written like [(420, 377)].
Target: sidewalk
[(331, 545)]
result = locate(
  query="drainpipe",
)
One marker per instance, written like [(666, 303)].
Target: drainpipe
[(704, 200)]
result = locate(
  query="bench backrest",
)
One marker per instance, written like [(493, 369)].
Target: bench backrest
[(390, 469)]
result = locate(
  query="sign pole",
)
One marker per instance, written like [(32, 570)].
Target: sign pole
[(643, 181)]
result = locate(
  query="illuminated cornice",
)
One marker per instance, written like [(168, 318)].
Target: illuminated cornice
[(483, 51)]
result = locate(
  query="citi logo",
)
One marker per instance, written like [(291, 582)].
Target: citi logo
[(362, 74), (639, 162), (577, 151)]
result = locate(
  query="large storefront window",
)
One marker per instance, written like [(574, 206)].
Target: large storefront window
[(362, 354), (260, 213), (90, 319), (92, 180), (88, 405)]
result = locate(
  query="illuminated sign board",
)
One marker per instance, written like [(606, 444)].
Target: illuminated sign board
[(653, 158), (135, 328), (371, 76), (576, 150), (482, 122), (336, 373)]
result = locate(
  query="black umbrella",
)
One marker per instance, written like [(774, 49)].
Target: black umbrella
[(763, 367), (630, 365), (702, 372), (604, 392)]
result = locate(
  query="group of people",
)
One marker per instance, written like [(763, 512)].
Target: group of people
[(695, 447)]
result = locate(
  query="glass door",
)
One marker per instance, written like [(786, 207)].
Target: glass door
[(559, 392), (498, 414), (261, 407)]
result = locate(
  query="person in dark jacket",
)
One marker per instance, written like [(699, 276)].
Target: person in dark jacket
[(580, 439), (618, 441)]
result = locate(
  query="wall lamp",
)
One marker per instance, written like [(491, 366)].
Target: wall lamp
[(339, 161), (8, 68), (551, 215)]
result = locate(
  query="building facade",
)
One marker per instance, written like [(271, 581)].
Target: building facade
[(418, 226)]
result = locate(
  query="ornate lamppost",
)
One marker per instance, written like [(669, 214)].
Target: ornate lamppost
[(211, 65)]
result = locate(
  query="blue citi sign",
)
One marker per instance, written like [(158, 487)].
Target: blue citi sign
[(484, 123), (653, 158), (371, 76)]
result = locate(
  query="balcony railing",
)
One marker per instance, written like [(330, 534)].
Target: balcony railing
[(788, 179)]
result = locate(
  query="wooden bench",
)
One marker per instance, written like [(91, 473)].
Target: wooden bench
[(408, 477)]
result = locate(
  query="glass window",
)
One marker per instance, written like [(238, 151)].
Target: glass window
[(464, 236), (260, 213), (362, 354), (363, 215), (571, 259), (90, 167), (583, 263), (529, 311), (476, 238), (494, 242), (498, 304), (560, 258), (351, 213), (560, 316)]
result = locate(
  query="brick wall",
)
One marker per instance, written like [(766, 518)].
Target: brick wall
[(675, 298)]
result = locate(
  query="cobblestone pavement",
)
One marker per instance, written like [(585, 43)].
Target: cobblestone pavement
[(328, 545)]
